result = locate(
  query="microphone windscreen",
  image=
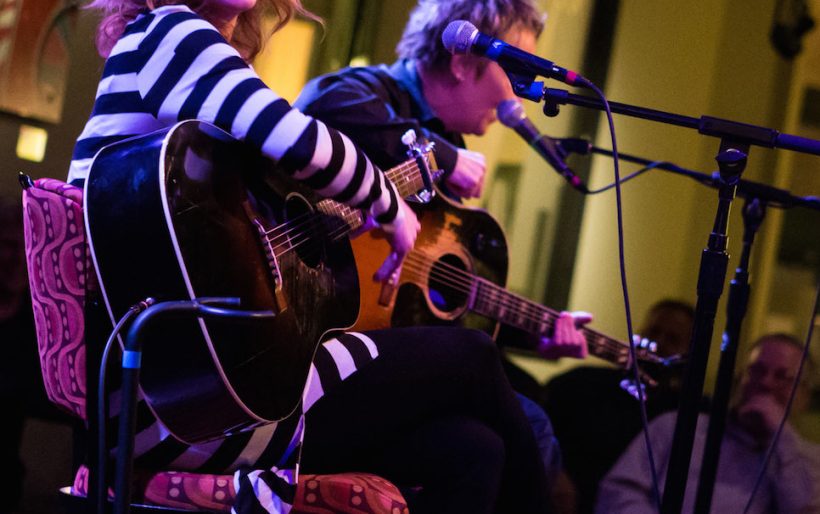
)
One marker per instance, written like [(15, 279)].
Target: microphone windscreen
[(510, 112), (458, 36)]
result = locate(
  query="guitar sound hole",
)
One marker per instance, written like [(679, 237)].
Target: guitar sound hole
[(305, 231), (449, 283)]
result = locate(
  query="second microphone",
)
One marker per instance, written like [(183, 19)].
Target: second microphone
[(511, 113)]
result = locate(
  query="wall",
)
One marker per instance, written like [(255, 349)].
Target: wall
[(692, 58), (84, 73)]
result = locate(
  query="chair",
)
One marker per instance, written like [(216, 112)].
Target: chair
[(65, 298)]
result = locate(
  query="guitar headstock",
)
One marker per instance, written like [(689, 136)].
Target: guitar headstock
[(652, 368), (422, 152)]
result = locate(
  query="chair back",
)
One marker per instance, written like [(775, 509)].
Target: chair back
[(60, 276)]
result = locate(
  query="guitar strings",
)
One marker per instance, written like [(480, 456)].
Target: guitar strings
[(461, 280), (448, 274), (529, 310), (286, 229), (283, 230)]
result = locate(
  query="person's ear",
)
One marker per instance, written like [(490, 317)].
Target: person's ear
[(462, 67)]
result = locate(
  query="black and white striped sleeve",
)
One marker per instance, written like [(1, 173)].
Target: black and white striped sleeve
[(191, 72)]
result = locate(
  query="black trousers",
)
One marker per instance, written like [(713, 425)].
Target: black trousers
[(434, 410)]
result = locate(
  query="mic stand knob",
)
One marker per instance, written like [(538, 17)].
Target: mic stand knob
[(551, 108)]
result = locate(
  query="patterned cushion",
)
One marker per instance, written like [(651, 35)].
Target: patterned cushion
[(345, 493), (60, 273), (351, 493)]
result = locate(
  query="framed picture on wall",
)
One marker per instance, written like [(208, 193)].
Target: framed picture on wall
[(34, 56)]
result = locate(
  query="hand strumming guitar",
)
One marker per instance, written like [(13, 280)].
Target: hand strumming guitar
[(402, 236)]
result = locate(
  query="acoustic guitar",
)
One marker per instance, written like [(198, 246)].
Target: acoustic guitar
[(190, 212), (456, 275)]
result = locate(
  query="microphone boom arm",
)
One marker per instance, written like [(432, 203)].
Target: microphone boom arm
[(707, 125)]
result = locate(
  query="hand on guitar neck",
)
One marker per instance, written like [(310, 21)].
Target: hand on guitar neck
[(467, 178), (566, 340)]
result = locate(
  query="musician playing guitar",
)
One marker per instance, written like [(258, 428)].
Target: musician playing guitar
[(442, 96), (395, 402)]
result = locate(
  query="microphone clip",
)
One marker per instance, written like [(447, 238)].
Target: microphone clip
[(526, 86)]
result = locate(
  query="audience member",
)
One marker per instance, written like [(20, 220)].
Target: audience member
[(792, 480)]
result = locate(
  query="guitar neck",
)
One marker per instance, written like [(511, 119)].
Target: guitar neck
[(406, 177), (495, 302)]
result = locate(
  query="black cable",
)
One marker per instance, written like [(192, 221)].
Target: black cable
[(622, 264), (629, 177), (776, 437), (102, 405)]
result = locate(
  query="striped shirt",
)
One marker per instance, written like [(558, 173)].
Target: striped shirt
[(171, 65)]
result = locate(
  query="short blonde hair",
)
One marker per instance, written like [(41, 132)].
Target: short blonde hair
[(248, 38), (421, 40)]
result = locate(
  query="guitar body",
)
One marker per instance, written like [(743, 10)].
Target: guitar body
[(430, 291), (455, 275), (184, 213)]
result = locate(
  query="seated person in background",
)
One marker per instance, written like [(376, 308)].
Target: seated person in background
[(792, 480), (595, 418), (441, 97), (397, 403)]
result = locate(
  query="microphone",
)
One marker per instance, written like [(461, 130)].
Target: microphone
[(462, 37), (511, 114)]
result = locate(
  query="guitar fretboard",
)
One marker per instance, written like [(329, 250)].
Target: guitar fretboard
[(495, 302), (406, 177)]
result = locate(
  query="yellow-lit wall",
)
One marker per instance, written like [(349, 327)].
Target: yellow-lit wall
[(284, 61), (693, 58)]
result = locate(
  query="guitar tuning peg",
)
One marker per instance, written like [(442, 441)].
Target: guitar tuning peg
[(409, 138), (421, 151), (629, 385)]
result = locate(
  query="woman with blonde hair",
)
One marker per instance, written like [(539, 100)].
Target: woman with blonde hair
[(426, 407)]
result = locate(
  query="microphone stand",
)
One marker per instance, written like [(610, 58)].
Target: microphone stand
[(745, 188), (757, 197), (754, 210), (714, 259), (736, 139), (706, 125)]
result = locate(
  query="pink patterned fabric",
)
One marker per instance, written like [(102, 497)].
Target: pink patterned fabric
[(60, 274), (350, 493), (344, 493)]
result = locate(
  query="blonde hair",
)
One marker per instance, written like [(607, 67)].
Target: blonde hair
[(247, 38)]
